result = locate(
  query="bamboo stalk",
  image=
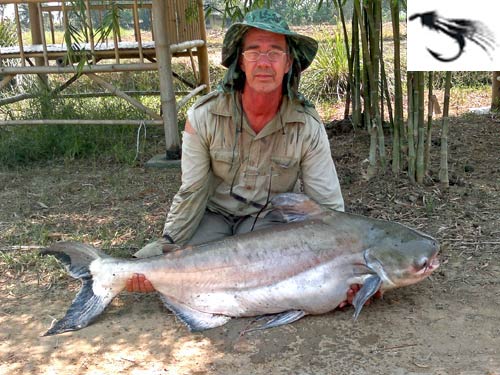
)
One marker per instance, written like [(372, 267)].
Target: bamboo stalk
[(377, 142), (349, 60), (443, 167), (420, 167), (411, 146), (356, 91), (398, 129), (430, 110)]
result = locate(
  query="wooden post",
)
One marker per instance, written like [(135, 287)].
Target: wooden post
[(203, 63), (167, 95), (36, 35)]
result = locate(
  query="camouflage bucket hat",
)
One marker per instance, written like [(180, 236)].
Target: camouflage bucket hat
[(304, 47)]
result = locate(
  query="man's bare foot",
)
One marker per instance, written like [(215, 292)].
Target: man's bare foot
[(351, 293), (139, 284)]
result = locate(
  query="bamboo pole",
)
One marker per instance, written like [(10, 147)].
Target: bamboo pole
[(19, 35), (420, 166), (167, 96), (121, 94), (184, 100), (411, 147), (443, 167), (55, 8), (398, 129), (430, 110), (18, 98), (79, 122), (349, 59), (36, 37), (203, 63), (373, 12), (42, 34), (377, 57), (15, 99), (356, 91), (137, 28)]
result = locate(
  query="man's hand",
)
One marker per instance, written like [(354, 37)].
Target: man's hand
[(139, 284)]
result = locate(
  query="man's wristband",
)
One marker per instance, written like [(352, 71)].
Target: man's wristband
[(168, 238)]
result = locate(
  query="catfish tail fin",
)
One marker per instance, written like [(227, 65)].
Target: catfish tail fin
[(87, 305)]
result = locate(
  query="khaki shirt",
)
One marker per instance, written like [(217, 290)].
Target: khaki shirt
[(293, 144)]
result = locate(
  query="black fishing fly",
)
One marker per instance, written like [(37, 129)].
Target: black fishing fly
[(459, 30)]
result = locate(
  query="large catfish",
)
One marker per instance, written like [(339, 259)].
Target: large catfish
[(304, 266)]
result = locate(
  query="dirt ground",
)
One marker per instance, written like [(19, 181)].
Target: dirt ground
[(448, 324)]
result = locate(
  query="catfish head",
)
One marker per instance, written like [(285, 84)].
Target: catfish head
[(404, 256), (397, 256)]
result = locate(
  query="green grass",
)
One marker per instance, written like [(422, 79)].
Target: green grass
[(22, 145), (327, 76)]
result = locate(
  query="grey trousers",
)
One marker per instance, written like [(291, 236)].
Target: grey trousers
[(213, 227)]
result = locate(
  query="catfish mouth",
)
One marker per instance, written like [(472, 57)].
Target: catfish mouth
[(432, 265)]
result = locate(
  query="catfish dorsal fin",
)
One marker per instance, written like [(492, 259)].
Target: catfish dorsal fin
[(292, 207)]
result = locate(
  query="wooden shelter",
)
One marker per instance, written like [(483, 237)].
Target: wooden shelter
[(174, 33)]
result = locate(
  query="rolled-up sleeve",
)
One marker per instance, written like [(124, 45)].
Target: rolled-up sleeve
[(319, 175), (188, 206)]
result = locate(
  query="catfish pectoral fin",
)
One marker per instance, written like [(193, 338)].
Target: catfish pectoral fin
[(369, 288)]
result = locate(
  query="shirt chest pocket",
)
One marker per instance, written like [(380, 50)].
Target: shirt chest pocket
[(221, 161), (285, 172)]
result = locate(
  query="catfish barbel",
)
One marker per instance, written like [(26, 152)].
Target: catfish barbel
[(304, 266)]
